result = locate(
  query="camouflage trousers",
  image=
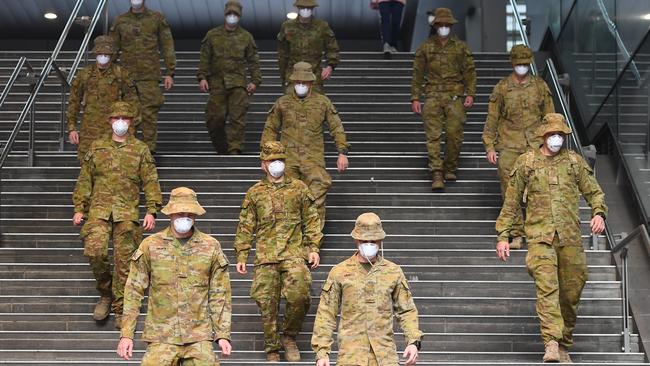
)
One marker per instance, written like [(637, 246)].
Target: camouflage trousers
[(291, 280), (126, 237), (232, 103), (151, 99), (444, 112), (560, 273), (504, 166), (372, 361), (315, 177), (191, 354)]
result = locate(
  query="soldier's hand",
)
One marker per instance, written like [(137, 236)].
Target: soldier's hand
[(149, 222), (241, 268), (169, 82), (323, 362), (74, 137), (492, 157), (203, 86), (125, 348), (416, 107), (326, 73), (410, 355), (314, 260), (342, 163), (226, 347), (251, 88), (597, 224), (78, 218), (503, 250), (469, 101)]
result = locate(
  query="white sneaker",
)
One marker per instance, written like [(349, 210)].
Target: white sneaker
[(393, 49), (387, 48)]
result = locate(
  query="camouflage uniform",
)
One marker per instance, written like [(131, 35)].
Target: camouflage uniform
[(279, 215), (138, 37), (306, 42), (107, 193), (515, 111), (225, 55), (556, 258), (368, 301), (446, 74), (97, 89)]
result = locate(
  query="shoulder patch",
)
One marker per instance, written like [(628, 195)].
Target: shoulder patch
[(327, 286), (137, 254)]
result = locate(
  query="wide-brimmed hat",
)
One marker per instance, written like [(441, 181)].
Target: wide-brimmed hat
[(521, 54), (104, 45), (302, 72), (368, 227), (305, 3), (273, 150), (122, 109), (183, 199), (233, 6), (553, 122), (443, 15)]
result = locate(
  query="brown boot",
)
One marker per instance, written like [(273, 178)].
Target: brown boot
[(273, 356), (517, 242), (450, 176), (291, 351), (103, 308), (552, 353), (564, 355), (438, 182)]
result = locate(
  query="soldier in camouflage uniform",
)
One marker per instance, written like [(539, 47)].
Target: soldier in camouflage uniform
[(299, 117), (515, 111), (139, 34), (306, 39), (189, 303), (444, 68), (279, 211), (369, 290), (107, 196), (97, 87), (553, 178), (226, 52)]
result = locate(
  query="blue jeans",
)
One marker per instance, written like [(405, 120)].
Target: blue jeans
[(391, 19)]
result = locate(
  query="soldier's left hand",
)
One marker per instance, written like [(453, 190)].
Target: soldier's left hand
[(314, 260), (342, 163), (226, 347), (149, 222), (169, 82), (469, 101), (410, 354), (503, 250), (125, 348), (326, 73), (597, 224), (251, 88)]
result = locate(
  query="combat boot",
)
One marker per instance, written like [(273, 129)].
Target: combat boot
[(103, 308), (564, 355), (517, 242), (273, 356), (450, 176), (291, 351), (552, 353), (438, 182)]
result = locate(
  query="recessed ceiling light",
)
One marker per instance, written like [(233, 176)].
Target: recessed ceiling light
[(50, 16), (292, 15), (646, 17)]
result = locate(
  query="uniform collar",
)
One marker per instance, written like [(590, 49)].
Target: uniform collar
[(140, 14), (265, 180), (170, 238), (514, 84), (355, 262)]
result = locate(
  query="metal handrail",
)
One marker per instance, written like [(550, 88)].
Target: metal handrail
[(86, 40), (14, 76), (522, 31)]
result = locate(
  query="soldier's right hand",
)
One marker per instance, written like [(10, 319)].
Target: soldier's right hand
[(492, 157), (78, 218), (74, 137), (125, 348), (203, 85), (323, 362), (503, 250), (241, 268), (416, 107)]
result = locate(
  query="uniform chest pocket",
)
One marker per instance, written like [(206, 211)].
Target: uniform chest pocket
[(199, 268), (163, 265)]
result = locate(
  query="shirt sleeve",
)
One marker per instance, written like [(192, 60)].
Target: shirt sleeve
[(166, 42), (419, 64), (283, 53), (511, 203), (150, 183), (311, 222), (495, 106), (272, 125), (245, 229), (220, 297), (332, 50), (336, 129), (253, 61), (469, 73), (590, 189), (84, 186), (74, 101), (136, 284), (405, 310), (204, 59), (325, 322)]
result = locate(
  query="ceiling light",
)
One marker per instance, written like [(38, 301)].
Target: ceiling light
[(293, 15), (50, 15), (646, 17)]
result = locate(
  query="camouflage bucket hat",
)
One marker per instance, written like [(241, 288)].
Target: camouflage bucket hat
[(444, 15), (553, 122), (302, 72), (520, 54), (103, 45), (233, 7), (273, 150), (368, 227), (122, 109), (305, 3), (183, 199)]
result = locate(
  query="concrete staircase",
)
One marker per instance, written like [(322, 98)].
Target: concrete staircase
[(473, 309)]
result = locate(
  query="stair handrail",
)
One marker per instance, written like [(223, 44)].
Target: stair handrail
[(84, 43), (22, 62), (522, 31)]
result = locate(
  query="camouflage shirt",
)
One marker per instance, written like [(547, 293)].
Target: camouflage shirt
[(110, 178), (189, 290), (138, 37), (300, 121), (553, 186), (306, 42), (97, 89), (368, 302), (279, 215), (443, 69), (224, 57), (515, 112)]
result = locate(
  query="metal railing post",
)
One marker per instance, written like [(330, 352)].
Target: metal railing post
[(626, 302), (62, 126), (32, 131)]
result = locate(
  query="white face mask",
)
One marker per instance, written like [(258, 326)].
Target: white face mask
[(103, 59), (430, 19), (305, 12), (554, 142), (276, 168), (368, 250), (232, 19), (521, 70), (120, 127), (137, 4), (301, 89), (183, 225), (443, 31)]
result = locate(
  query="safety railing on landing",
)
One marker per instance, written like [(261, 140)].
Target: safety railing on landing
[(39, 80)]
